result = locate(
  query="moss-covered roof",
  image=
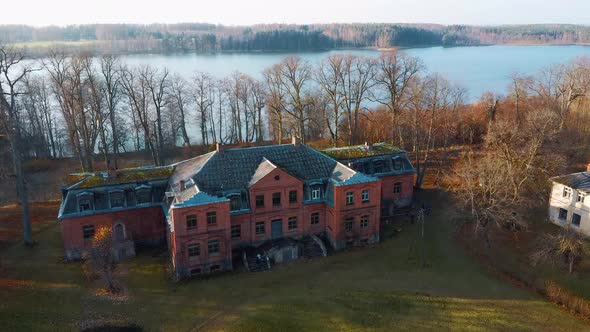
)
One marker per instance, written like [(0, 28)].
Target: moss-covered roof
[(129, 175), (361, 151)]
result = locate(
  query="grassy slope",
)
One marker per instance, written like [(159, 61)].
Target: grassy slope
[(379, 289)]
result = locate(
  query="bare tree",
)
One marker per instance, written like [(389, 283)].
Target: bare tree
[(395, 71), (13, 71), (202, 90), (157, 83), (295, 77), (357, 80), (109, 68), (567, 244), (83, 119), (275, 99), (136, 89), (178, 92), (329, 76)]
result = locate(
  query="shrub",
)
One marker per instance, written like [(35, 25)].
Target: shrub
[(572, 302)]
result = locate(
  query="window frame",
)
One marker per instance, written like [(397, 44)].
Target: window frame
[(364, 223), (397, 188), (349, 225), (239, 231), (84, 234), (276, 199), (292, 196), (256, 201), (258, 230), (567, 192), (87, 198), (196, 250), (365, 196), (211, 215), (581, 197), (292, 223), (349, 198), (315, 219), (143, 190), (576, 219), (215, 244), (233, 199), (562, 212), (316, 193), (191, 227), (117, 193)]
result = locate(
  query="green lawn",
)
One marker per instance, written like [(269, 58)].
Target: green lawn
[(379, 289)]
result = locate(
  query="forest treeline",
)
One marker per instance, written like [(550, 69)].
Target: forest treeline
[(195, 37)]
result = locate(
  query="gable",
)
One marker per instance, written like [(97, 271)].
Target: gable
[(275, 178)]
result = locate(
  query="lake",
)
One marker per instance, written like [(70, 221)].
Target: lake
[(478, 69)]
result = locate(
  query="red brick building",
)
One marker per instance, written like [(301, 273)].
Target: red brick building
[(224, 204), (130, 202)]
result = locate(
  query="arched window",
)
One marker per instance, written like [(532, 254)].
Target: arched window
[(119, 232), (143, 194), (85, 201)]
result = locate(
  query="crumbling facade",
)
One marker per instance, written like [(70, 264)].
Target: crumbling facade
[(217, 205)]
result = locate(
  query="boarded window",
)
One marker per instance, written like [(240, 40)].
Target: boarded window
[(88, 231)]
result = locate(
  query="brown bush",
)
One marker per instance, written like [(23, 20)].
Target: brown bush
[(573, 303)]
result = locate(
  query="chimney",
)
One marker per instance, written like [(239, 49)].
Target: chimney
[(219, 148), (368, 146), (295, 141), (587, 167)]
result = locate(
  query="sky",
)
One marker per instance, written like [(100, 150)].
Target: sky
[(247, 12)]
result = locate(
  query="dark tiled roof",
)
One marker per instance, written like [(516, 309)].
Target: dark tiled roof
[(233, 169), (579, 181)]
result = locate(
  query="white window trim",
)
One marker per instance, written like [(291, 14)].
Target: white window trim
[(364, 193), (316, 194)]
